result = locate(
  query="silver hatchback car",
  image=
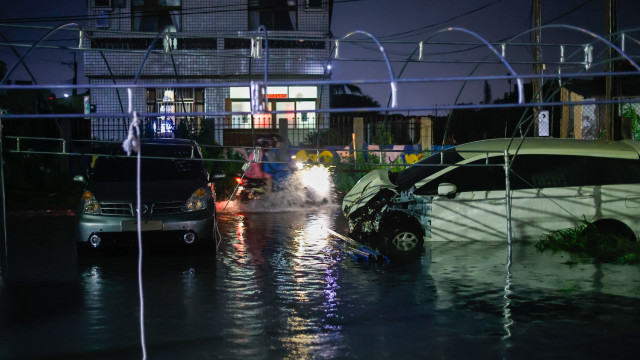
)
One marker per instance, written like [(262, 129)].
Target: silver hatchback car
[(177, 195)]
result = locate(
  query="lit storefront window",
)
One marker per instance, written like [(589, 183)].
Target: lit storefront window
[(296, 104), (166, 106), (167, 102)]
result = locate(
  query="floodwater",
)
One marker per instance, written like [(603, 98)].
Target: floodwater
[(280, 287)]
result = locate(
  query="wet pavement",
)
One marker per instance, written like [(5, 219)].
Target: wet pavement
[(281, 287)]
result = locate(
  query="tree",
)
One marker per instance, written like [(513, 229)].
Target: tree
[(487, 92), (350, 96)]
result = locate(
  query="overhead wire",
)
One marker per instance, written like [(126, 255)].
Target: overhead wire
[(470, 12), (215, 9)]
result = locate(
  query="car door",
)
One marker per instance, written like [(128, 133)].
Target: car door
[(553, 192), (476, 211), (550, 192)]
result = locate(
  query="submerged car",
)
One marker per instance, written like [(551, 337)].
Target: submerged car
[(177, 195), (459, 194)]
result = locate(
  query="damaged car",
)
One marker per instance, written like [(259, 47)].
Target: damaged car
[(459, 194)]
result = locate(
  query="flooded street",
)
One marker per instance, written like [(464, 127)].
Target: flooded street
[(281, 287)]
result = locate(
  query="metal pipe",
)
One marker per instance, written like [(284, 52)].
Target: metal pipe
[(507, 186), (5, 241)]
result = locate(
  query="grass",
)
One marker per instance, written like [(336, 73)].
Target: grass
[(585, 243)]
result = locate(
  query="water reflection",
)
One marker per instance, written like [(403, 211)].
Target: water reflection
[(280, 287), (293, 269)]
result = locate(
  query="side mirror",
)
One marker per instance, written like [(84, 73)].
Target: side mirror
[(447, 189), (80, 179)]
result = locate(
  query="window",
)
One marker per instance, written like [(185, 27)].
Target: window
[(538, 172), (157, 15), (426, 167), (314, 4), (547, 171), (296, 104), (544, 171), (168, 102), (103, 3), (475, 176), (273, 14), (119, 168), (613, 171), (197, 43)]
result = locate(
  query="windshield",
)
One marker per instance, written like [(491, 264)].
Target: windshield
[(181, 166), (426, 167)]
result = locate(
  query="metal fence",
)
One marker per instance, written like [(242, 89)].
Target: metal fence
[(243, 130), (568, 120)]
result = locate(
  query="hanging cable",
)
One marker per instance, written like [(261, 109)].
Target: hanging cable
[(132, 143)]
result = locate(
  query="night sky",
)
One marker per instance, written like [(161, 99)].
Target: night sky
[(403, 22)]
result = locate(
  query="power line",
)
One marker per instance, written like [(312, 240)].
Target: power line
[(444, 21), (185, 11), (572, 10)]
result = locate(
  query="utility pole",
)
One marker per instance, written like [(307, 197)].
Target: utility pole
[(611, 27), (537, 65)]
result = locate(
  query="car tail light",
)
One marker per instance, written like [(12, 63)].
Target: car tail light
[(240, 180)]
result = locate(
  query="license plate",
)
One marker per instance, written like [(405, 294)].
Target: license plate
[(149, 225)]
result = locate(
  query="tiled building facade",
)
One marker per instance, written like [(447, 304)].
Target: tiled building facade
[(208, 42)]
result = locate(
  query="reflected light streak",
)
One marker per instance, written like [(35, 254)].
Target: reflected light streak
[(94, 289), (240, 245), (316, 283), (506, 308)]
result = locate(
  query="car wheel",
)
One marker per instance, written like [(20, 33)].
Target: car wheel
[(614, 228), (403, 236)]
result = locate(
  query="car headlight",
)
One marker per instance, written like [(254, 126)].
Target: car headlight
[(89, 203), (197, 201)]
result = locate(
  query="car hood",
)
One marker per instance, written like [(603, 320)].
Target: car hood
[(151, 191), (367, 191)]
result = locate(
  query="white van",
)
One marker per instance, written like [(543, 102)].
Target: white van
[(459, 194)]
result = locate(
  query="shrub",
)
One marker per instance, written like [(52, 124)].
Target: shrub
[(586, 243)]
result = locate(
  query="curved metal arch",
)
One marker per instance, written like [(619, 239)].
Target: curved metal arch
[(627, 36), (262, 28), (579, 29), (13, 49), (392, 82), (493, 50), (113, 78), (630, 38), (593, 35), (21, 59), (146, 56), (51, 32), (491, 47), (135, 80)]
